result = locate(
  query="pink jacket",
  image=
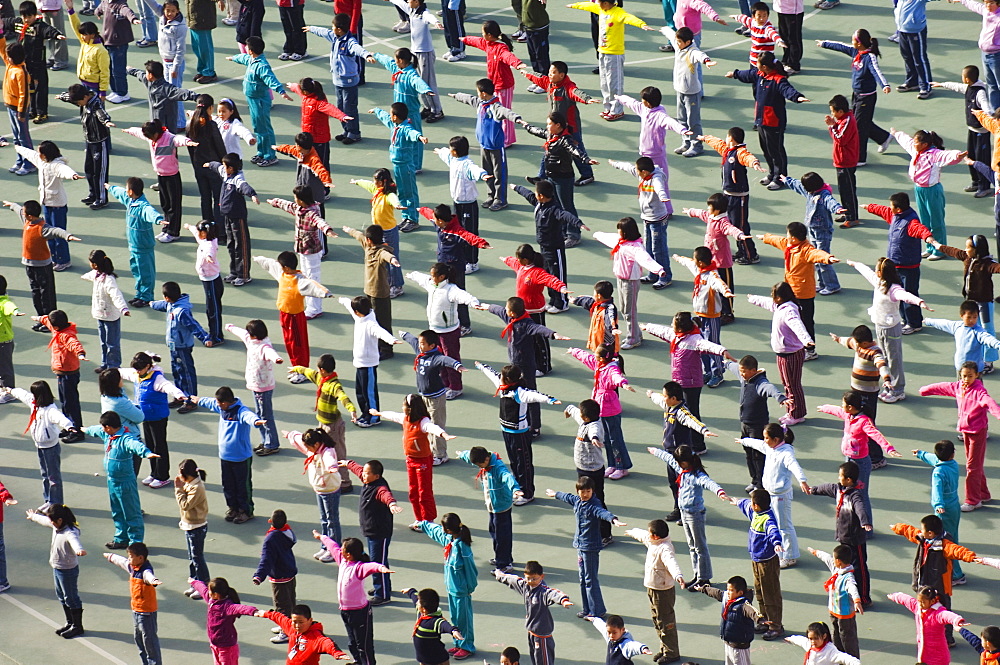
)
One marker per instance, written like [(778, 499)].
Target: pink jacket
[(630, 258), (718, 227), (607, 380), (685, 357), (932, 649), (350, 578), (972, 403), (163, 151), (688, 14), (925, 167), (857, 430)]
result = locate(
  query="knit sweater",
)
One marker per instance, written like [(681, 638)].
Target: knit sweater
[(329, 391), (309, 226), (763, 36)]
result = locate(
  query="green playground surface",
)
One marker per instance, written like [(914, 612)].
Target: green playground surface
[(543, 529)]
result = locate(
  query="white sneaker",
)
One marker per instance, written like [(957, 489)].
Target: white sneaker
[(194, 595), (160, 484), (395, 291), (115, 98), (969, 507), (8, 398), (402, 27), (810, 355), (885, 146), (326, 558), (230, 21), (166, 237), (319, 555), (438, 461), (275, 629), (453, 57), (147, 480), (552, 309), (280, 638), (788, 563), (452, 394), (44, 508), (521, 501), (189, 591), (471, 268)]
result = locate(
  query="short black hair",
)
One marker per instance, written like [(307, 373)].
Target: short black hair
[(478, 455), (644, 164), (138, 549), (739, 583), (171, 290), (659, 528), (431, 337), (842, 553), (279, 518), (945, 450), (674, 390), (590, 410), (342, 21), (399, 110), (460, 145), (327, 362), (375, 234), (851, 470), (533, 568), (604, 288), (933, 523), (361, 305), (135, 185), (32, 208), (839, 103), (486, 86), (900, 200), (110, 419), (761, 499), (154, 67), (376, 466), (684, 34), (737, 134), (429, 599), (748, 362), (58, 319), (225, 394), (511, 654), (797, 230), (288, 259), (651, 95), (614, 620), (443, 212), (304, 140), (584, 483), (544, 187), (301, 610), (560, 66), (812, 181), (255, 44), (862, 334), (15, 52)]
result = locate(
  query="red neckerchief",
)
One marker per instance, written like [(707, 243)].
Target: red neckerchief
[(395, 75), (700, 279), (728, 604), (510, 326), (840, 502), (311, 457), (680, 476), (423, 615), (618, 245), (990, 656), (642, 182), (597, 303), (416, 361), (600, 364), (483, 470), (319, 388), (857, 58), (31, 420), (679, 337), (287, 527), (552, 139), (788, 255), (447, 548), (504, 387), (828, 585), (110, 441), (812, 650)]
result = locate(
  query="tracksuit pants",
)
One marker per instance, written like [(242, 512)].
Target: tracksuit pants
[(358, 625), (238, 243), (68, 384), (213, 306), (468, 214), (739, 216), (39, 103), (864, 112), (406, 189), (450, 343), (366, 390), (913, 49), (295, 331), (495, 164), (424, 62), (612, 72), (237, 485), (292, 22), (628, 295), (209, 191), (538, 48), (378, 550), (930, 208), (42, 281), (171, 194), (543, 350), (460, 611), (859, 559), (260, 118), (458, 279), (420, 477), (95, 166), (454, 27), (519, 455), (772, 144), (847, 186), (183, 369), (542, 649), (978, 146), (555, 264), (204, 50), (437, 410), (502, 533), (126, 512)]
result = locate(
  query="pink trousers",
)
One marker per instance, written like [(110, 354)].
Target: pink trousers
[(976, 490), (226, 655)]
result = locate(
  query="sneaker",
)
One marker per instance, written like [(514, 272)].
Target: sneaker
[(239, 281), (850, 224), (961, 581), (255, 159), (775, 185), (826, 291), (936, 256), (24, 170), (465, 331), (377, 600), (266, 452), (894, 37), (772, 635), (497, 206), (486, 204), (788, 421), (4, 399), (714, 382), (40, 327), (436, 117), (630, 345), (924, 94), (607, 542), (828, 4), (39, 119), (523, 501), (452, 394), (667, 48), (320, 554), (471, 268), (115, 98), (453, 57), (145, 43), (44, 508), (906, 88), (230, 21), (194, 595), (285, 56), (618, 474), (280, 638), (662, 285), (148, 479), (165, 237), (519, 36), (552, 309), (460, 654), (987, 368), (909, 330), (59, 267), (572, 242), (810, 355), (402, 27), (74, 436), (351, 140), (881, 464), (583, 182), (608, 471), (87, 200), (138, 303), (692, 152), (326, 558), (160, 484), (787, 563), (982, 193), (267, 162), (275, 629), (532, 180), (582, 615), (508, 569), (364, 424), (241, 518), (611, 117), (892, 398), (230, 515), (187, 408), (438, 461), (965, 507), (115, 545), (862, 164), (749, 488), (395, 291), (297, 56), (536, 89), (408, 225)]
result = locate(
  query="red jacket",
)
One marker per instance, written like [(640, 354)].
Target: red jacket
[(844, 133), (531, 282), (499, 60), (66, 348), (5, 495), (316, 114), (305, 648)]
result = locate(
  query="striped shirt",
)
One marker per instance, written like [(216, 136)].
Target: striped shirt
[(870, 367), (762, 37)]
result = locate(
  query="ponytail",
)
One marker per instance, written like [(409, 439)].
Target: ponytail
[(868, 43), (220, 586), (452, 524), (929, 137), (776, 431), (492, 28), (189, 469)]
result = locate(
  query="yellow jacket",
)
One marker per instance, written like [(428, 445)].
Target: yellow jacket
[(611, 26), (383, 205), (94, 63)]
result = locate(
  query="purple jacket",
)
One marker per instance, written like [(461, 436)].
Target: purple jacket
[(607, 380), (685, 357), (788, 333), (222, 616)]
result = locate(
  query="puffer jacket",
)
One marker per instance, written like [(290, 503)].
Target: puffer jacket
[(66, 348), (201, 14)]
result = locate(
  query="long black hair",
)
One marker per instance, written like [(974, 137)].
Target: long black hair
[(204, 109), (492, 28), (452, 524)]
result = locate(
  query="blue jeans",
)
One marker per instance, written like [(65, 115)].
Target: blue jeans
[(329, 515), (21, 137), (693, 524), (378, 550), (617, 452), (49, 463), (826, 276), (910, 279), (265, 410), (175, 74), (656, 245), (864, 476), (991, 70), (56, 216), (110, 333), (197, 566), (204, 49), (347, 101), (146, 638), (66, 586), (148, 18), (183, 370), (590, 586), (119, 61), (502, 532), (391, 238)]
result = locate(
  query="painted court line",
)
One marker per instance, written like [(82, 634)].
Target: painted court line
[(76, 640)]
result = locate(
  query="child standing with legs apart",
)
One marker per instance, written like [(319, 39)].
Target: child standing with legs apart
[(817, 645), (687, 85), (45, 424), (661, 571), (259, 375), (52, 170), (403, 137), (736, 159), (322, 467), (63, 553), (277, 563), (933, 621), (67, 352), (308, 641), (764, 546), (820, 209), (459, 577), (142, 587), (944, 491), (739, 618), (257, 85), (224, 609), (499, 489), (655, 212), (608, 378), (499, 60), (537, 617), (140, 217), (189, 490), (233, 208), (844, 599)]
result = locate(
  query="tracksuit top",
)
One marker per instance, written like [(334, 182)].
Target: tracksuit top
[(234, 429), (234, 188), (514, 402), (163, 97), (589, 515), (549, 220), (489, 119), (770, 93), (140, 216), (559, 152), (563, 97), (499, 60), (537, 617), (944, 481), (277, 561), (460, 573), (689, 485), (498, 483), (152, 402), (521, 338), (850, 513), (841, 588), (402, 137), (734, 173), (119, 450), (974, 403), (407, 86), (754, 393), (678, 421), (866, 77), (259, 80), (427, 632), (911, 15), (530, 282), (844, 133), (344, 54), (763, 535), (607, 379), (428, 365), (65, 541), (374, 516), (611, 26)]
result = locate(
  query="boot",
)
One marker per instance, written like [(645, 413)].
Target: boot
[(69, 620), (77, 627)]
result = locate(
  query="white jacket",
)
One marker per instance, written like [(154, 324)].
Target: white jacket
[(884, 311), (367, 333), (232, 131), (50, 177), (321, 468), (462, 175), (106, 300), (661, 568), (442, 301), (828, 655), (261, 357), (49, 420)]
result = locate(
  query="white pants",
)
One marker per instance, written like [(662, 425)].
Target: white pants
[(737, 656), (628, 307), (309, 264), (612, 71)]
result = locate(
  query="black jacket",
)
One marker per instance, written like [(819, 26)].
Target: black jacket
[(559, 152), (852, 514), (549, 220), (93, 117), (163, 97), (34, 38)]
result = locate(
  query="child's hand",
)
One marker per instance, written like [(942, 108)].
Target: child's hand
[(256, 582), (423, 139), (81, 552), (259, 613), (395, 508), (518, 494), (710, 433), (618, 522), (10, 502), (733, 500), (449, 437), (939, 511), (867, 527), (375, 413), (778, 549), (549, 493), (597, 442), (457, 635), (317, 535), (255, 199), (209, 343)]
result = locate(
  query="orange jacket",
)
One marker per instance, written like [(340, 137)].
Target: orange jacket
[(949, 551), (799, 260), (992, 124), (15, 84), (66, 348)]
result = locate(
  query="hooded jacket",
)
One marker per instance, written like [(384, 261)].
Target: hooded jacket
[(117, 17), (192, 499), (560, 151), (850, 514), (460, 573), (550, 218), (46, 421), (235, 423), (974, 403), (498, 483), (932, 562), (66, 348), (182, 328), (944, 481), (277, 561)]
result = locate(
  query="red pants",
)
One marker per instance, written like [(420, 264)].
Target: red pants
[(449, 343), (296, 335), (419, 472), (976, 490)]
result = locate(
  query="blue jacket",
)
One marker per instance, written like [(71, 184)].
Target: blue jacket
[(944, 481), (690, 485), (119, 449), (130, 414), (140, 217), (407, 86), (820, 206), (460, 574), (401, 138), (344, 54), (588, 520), (971, 342), (182, 327), (427, 367), (911, 15), (259, 77), (904, 249), (234, 429), (498, 482), (866, 76), (763, 535), (277, 560), (770, 93)]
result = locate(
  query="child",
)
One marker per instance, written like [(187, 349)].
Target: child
[(207, 268), (329, 391), (164, 96), (661, 571), (235, 454), (375, 510), (140, 216), (764, 545), (171, 41), (163, 153), (17, 97), (257, 84), (843, 128), (277, 563), (559, 152), (499, 60), (417, 424), (182, 330), (757, 25), (308, 244), (224, 609), (629, 257), (367, 332), (713, 271), (142, 586), (231, 127), (974, 403), (927, 156), (537, 618), (403, 137), (192, 499), (233, 208), (379, 258), (113, 398), (622, 647), (96, 137), (611, 52), (209, 147), (430, 626), (587, 542), (933, 619), (355, 609), (422, 47), (687, 85), (323, 471), (739, 618), (93, 65), (316, 114), (34, 28), (384, 204), (869, 374), (987, 647), (459, 577), (491, 118), (818, 645), (780, 466), (755, 389), (407, 88), (944, 491), (345, 52), (7, 499), (121, 447), (603, 328), (429, 367), (655, 211), (771, 89), (444, 304), (911, 33), (309, 640), (820, 209), (500, 489), (971, 339), (608, 378), (36, 255), (853, 523), (52, 170), (63, 557), (293, 287), (530, 281), (45, 424), (736, 188), (462, 177), (67, 352), (310, 171), (905, 234), (116, 34), (107, 306)]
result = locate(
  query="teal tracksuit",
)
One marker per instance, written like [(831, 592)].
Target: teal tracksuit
[(257, 84), (407, 86), (119, 449), (944, 496), (140, 217), (401, 139), (460, 578)]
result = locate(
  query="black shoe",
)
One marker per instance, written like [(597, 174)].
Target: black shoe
[(583, 182), (77, 627), (187, 408), (424, 113), (242, 517), (532, 179), (138, 303), (649, 279), (88, 200), (350, 141), (74, 436), (347, 489), (674, 516), (595, 70), (69, 620), (97, 205), (115, 545), (40, 327), (378, 600), (264, 452), (434, 117), (340, 137), (486, 204)]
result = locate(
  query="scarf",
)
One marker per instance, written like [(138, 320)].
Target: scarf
[(484, 470), (509, 328), (504, 387), (858, 56), (701, 279), (416, 361), (311, 457), (31, 420), (618, 245), (552, 140), (319, 388), (424, 615), (829, 584), (788, 257), (680, 476), (680, 337), (812, 651), (447, 548), (111, 439), (728, 604)]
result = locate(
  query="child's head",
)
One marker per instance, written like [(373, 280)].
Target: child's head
[(224, 397), (658, 530), (760, 500), (442, 214), (492, 33), (134, 187), (227, 110), (991, 638), (315, 439), (603, 290), (628, 229), (931, 527), (278, 519), (303, 196), (428, 601), (590, 410), (585, 487), (556, 123), (968, 311), (645, 167), (49, 151), (702, 257), (736, 585), (88, 33), (219, 589), (171, 291), (354, 550), (137, 554), (32, 210), (459, 146), (527, 256), (864, 41), (515, 307), (58, 319), (968, 373), (154, 70), (440, 272), (480, 456), (533, 573), (61, 516), (782, 292), (684, 37), (673, 393), (326, 364), (812, 182), (428, 340), (101, 262), (28, 10), (233, 163), (899, 202), (312, 88), (924, 140), (818, 632), (748, 367), (683, 323), (383, 180), (142, 363), (486, 88), (842, 556), (848, 473), (188, 469), (372, 471), (614, 626), (398, 112), (109, 383), (775, 435), (153, 129), (760, 12), (42, 394), (288, 261), (767, 64), (205, 229), (452, 525), (651, 96), (862, 334), (78, 93), (970, 74), (852, 402), (736, 135), (688, 461), (3, 285), (361, 305), (511, 376), (200, 117), (717, 203), (341, 24), (414, 408), (375, 235), (545, 191), (796, 231), (927, 596), (839, 106), (15, 53), (977, 246), (304, 140), (255, 45), (510, 656), (944, 450), (302, 617), (557, 71)]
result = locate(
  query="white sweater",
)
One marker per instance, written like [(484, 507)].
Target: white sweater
[(462, 175), (50, 177), (828, 655), (49, 420), (261, 357), (443, 300), (884, 311), (106, 300), (367, 333)]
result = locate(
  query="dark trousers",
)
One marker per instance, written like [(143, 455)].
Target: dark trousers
[(847, 185), (520, 460), (154, 435), (68, 384), (543, 351), (913, 49), (845, 635), (209, 190), (347, 101), (7, 366), (237, 486), (739, 216), (859, 559), (378, 550), (692, 396), (283, 596), (864, 112), (772, 144), (597, 477), (564, 193), (458, 279), (213, 306), (95, 166), (538, 49), (197, 566), (383, 315), (910, 279), (360, 634), (978, 146), (790, 370), (366, 390), (454, 28), (183, 369), (869, 407), (495, 164), (39, 88), (555, 264), (42, 281), (502, 533), (292, 23), (755, 458), (238, 244), (807, 310), (790, 31), (468, 215), (170, 202), (530, 381)]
